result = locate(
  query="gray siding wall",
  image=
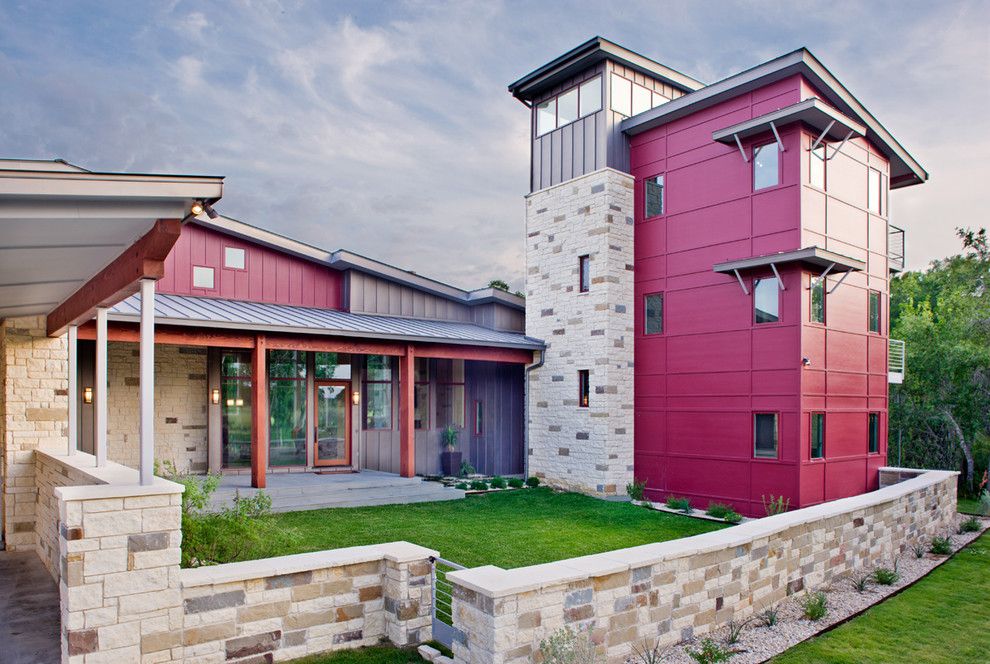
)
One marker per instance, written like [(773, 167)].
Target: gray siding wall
[(367, 294), (499, 317)]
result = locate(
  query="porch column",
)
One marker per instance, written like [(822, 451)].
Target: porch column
[(407, 407), (73, 391), (147, 381), (259, 413), (100, 388)]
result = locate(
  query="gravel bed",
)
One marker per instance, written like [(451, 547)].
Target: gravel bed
[(759, 643)]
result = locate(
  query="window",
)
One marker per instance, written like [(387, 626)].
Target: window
[(621, 95), (233, 258), (378, 392), (479, 427), (584, 388), (659, 99), (630, 98), (766, 301), (817, 300), (816, 167), (450, 393), (202, 277), (765, 435), (875, 311), (642, 98), (874, 193), (654, 196), (235, 409), (567, 107), (421, 394), (546, 117), (817, 435), (591, 96), (332, 366), (874, 433), (584, 273), (654, 314), (766, 166), (286, 408)]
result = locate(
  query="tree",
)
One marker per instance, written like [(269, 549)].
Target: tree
[(498, 284), (943, 314)]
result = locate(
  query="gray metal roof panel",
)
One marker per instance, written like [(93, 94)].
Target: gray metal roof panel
[(236, 314)]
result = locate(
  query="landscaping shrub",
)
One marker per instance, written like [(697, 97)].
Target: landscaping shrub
[(516, 483), (941, 546), (861, 582), (970, 525), (565, 646), (636, 489), (815, 605), (479, 485), (498, 482), (770, 616), (709, 653), (467, 469), (679, 504), (735, 631), (919, 550), (648, 654), (533, 481), (777, 505), (886, 576), (984, 506), (463, 486), (724, 512)]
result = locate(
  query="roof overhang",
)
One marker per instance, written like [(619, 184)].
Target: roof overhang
[(904, 169), (812, 112), (810, 256), (589, 53)]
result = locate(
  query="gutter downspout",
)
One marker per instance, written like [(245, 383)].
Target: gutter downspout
[(529, 368)]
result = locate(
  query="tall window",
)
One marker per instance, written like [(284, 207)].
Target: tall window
[(235, 409), (450, 393), (584, 388), (816, 167), (546, 116), (766, 301), (654, 196), (817, 300), (874, 433), (584, 273), (875, 311), (567, 107), (765, 435), (874, 196), (817, 435), (766, 166), (421, 394), (591, 96), (287, 408), (654, 313), (378, 392), (621, 95)]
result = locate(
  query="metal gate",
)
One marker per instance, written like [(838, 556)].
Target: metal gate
[(443, 622)]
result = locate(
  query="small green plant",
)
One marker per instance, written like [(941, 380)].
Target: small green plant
[(886, 576), (516, 482), (970, 525), (815, 605), (941, 546), (679, 504), (718, 510), (861, 582), (451, 437), (636, 489), (498, 482), (467, 469), (565, 646), (732, 516), (479, 485), (709, 653), (533, 482), (647, 654), (775, 505), (735, 631), (463, 486), (919, 549), (770, 616)]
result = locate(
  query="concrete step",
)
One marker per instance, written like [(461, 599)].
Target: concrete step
[(356, 496)]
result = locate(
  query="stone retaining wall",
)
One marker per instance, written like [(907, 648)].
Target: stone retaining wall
[(674, 591), (50, 473)]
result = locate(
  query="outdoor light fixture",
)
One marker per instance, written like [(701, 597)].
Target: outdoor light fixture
[(87, 395), (355, 397), (230, 402), (239, 402), (805, 361), (215, 396), (196, 209), (210, 212)]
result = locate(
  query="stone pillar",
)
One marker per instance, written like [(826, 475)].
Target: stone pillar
[(408, 598), (584, 449)]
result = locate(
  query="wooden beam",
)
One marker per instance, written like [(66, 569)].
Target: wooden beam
[(145, 259), (455, 352), (167, 334), (407, 407), (259, 413), (336, 345)]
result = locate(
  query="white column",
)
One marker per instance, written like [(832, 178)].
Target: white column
[(100, 388), (73, 391), (147, 381)]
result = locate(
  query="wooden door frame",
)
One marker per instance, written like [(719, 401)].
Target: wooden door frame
[(346, 385)]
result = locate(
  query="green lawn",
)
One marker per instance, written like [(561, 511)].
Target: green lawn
[(968, 506), (942, 618), (381, 655), (508, 529)]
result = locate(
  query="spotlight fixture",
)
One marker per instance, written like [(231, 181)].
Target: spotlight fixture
[(210, 212), (196, 209), (87, 395), (215, 396), (355, 397), (805, 361)]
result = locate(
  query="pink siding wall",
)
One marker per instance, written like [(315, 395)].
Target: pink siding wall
[(268, 275), (699, 383)]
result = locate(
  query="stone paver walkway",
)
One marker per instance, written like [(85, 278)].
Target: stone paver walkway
[(29, 610)]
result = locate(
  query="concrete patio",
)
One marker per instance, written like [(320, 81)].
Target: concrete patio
[(29, 610), (291, 492)]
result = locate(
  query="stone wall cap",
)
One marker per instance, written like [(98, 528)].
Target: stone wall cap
[(110, 481)]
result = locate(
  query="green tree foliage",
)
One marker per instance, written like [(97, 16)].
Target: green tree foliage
[(941, 413), (499, 284)]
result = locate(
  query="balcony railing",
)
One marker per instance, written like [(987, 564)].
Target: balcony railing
[(895, 248), (896, 360)]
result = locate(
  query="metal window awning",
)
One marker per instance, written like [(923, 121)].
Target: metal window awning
[(815, 257), (830, 124)]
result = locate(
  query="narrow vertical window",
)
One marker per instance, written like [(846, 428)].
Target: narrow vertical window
[(766, 166), (479, 427), (766, 301), (591, 96), (642, 99), (450, 394), (546, 116), (817, 435), (874, 433), (765, 435), (377, 400), (654, 313), (875, 311), (567, 107), (621, 94), (421, 394), (816, 167), (584, 388), (873, 195), (654, 196), (235, 409), (584, 273), (817, 300), (286, 408)]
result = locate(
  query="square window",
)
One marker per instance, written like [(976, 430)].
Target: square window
[(591, 96), (642, 99), (202, 277), (233, 257), (874, 425), (584, 388), (567, 107), (766, 301), (766, 166), (817, 435), (621, 95), (653, 188), (817, 300), (816, 167), (765, 435), (654, 313), (875, 311), (546, 116), (584, 273)]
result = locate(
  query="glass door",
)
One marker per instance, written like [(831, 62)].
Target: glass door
[(333, 423)]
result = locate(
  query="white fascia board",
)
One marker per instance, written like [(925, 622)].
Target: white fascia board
[(107, 185)]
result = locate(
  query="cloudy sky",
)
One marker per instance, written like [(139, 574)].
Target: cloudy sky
[(386, 128)]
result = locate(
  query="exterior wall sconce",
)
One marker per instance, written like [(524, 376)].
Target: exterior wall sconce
[(215, 396), (355, 397), (196, 208), (87, 395)]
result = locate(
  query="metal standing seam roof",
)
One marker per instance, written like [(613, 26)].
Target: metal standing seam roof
[(257, 316)]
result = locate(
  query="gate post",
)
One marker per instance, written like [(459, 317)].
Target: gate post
[(408, 596)]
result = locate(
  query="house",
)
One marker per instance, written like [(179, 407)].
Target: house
[(709, 267)]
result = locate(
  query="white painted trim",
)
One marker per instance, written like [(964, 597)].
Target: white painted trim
[(146, 387), (100, 388), (73, 390)]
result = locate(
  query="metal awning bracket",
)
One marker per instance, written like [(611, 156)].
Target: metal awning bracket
[(780, 282), (841, 145), (822, 136), (827, 270), (741, 284), (743, 153), (839, 282), (780, 143)]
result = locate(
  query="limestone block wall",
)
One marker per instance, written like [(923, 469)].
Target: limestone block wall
[(50, 473), (180, 405), (34, 407), (677, 590), (584, 449)]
